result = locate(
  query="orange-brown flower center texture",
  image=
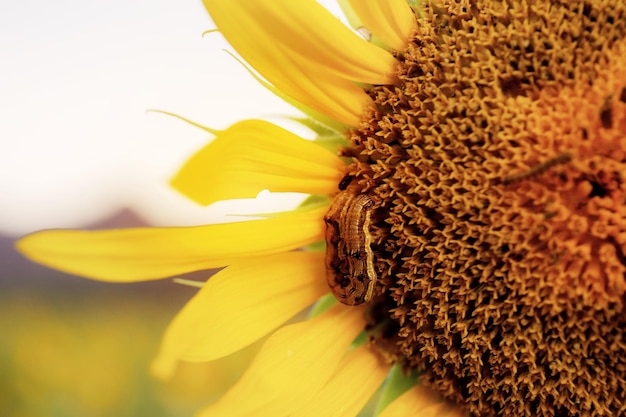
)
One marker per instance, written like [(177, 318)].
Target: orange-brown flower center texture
[(498, 168)]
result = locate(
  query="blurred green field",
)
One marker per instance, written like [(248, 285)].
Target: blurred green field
[(86, 353)]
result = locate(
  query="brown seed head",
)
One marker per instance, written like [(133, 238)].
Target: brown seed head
[(510, 294)]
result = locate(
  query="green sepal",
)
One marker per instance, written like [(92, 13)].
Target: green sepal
[(396, 384)]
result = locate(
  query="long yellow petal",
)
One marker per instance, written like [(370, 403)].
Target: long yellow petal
[(254, 155), (141, 254), (337, 98), (359, 376), (420, 401), (392, 21), (241, 304), (292, 366), (303, 29), (304, 51)]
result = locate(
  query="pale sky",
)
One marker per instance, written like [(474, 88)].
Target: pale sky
[(76, 79)]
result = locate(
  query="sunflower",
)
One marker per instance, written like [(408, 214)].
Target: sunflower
[(469, 179)]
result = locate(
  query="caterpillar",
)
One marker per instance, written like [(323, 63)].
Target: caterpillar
[(350, 268)]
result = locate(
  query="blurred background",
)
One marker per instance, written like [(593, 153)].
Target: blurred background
[(78, 149)]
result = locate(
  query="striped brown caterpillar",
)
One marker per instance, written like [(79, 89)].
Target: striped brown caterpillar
[(350, 268)]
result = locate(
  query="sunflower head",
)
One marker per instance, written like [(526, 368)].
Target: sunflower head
[(498, 160), (473, 216)]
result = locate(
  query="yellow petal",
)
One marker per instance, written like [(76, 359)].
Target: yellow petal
[(319, 118), (141, 254), (254, 155), (304, 51), (241, 304), (359, 376), (292, 366), (302, 29), (420, 401), (392, 21)]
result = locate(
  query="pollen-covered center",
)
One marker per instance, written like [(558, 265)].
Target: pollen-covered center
[(497, 168)]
